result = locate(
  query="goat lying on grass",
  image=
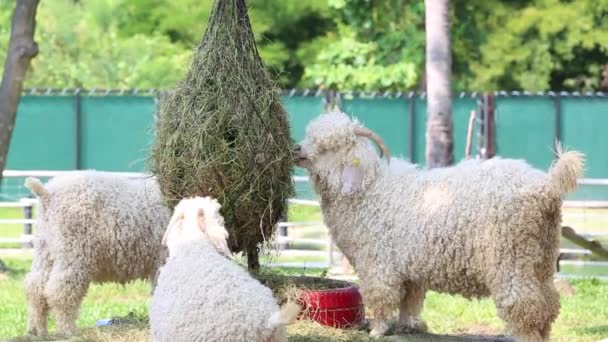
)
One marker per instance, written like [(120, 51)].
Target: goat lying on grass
[(202, 295)]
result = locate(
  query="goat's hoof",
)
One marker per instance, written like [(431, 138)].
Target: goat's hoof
[(36, 332), (379, 329), (416, 326), (376, 333)]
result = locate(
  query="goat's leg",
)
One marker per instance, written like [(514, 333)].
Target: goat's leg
[(160, 262), (37, 306), (551, 302), (34, 283), (64, 291), (382, 299), (528, 307), (410, 308)]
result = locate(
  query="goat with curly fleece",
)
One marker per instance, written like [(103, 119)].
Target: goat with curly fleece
[(202, 295), (91, 227), (479, 228)]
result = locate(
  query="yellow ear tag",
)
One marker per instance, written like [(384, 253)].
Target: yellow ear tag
[(355, 162)]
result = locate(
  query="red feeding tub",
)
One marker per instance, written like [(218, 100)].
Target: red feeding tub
[(340, 305)]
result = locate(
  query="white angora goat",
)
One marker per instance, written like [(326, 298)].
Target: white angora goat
[(479, 228), (92, 227), (202, 295)]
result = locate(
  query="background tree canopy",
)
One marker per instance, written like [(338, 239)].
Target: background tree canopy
[(341, 44)]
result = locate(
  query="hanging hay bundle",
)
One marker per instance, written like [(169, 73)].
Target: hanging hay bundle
[(224, 133)]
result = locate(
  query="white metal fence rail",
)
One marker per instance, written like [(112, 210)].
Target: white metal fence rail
[(28, 204), (282, 240)]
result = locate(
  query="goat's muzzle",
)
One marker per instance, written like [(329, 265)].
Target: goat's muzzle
[(300, 157)]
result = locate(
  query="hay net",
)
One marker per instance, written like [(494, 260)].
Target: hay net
[(223, 132)]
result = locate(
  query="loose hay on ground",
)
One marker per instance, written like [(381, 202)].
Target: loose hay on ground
[(224, 133)]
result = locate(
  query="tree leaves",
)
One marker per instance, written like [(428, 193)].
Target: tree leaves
[(344, 44), (537, 45)]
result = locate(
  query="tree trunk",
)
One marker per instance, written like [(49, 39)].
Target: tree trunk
[(439, 136), (604, 84), (21, 49)]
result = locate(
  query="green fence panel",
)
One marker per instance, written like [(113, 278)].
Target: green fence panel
[(525, 129), (301, 110), (116, 132), (584, 123), (420, 130), (44, 135), (461, 110), (43, 139), (387, 117)]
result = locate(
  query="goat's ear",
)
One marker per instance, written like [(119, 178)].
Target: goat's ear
[(176, 220), (351, 178), (216, 234)]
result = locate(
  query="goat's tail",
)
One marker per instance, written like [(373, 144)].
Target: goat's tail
[(35, 186), (287, 315), (566, 170)]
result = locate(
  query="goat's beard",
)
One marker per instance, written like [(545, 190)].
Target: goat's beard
[(319, 183), (324, 186)]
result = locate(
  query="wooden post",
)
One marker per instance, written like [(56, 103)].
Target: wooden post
[(282, 232), (557, 103), (332, 100), (27, 227), (467, 150), (489, 126), (412, 122)]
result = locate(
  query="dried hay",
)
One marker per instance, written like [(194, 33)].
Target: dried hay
[(224, 133), (287, 288)]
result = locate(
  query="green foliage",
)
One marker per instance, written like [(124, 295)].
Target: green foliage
[(370, 51), (182, 21), (6, 11), (288, 34), (344, 44), (547, 44), (281, 27), (149, 43), (80, 46), (355, 65)]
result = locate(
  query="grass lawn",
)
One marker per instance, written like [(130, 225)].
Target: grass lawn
[(584, 317), (11, 230)]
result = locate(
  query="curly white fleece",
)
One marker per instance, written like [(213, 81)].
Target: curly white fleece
[(479, 228), (91, 227), (202, 295)]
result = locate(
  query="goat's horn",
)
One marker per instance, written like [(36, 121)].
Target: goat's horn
[(367, 133)]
